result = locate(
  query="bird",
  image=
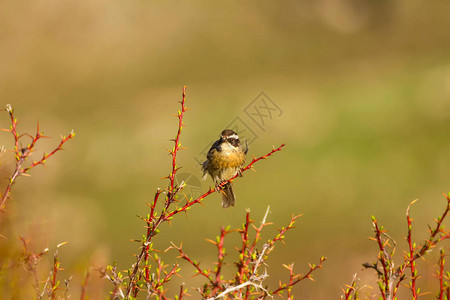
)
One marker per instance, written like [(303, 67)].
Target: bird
[(224, 160)]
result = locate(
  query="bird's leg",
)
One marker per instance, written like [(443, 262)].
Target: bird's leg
[(218, 188)]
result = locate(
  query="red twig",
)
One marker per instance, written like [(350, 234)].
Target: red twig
[(54, 273), (199, 271), (433, 239), (84, 285), (443, 289), (44, 158), (162, 276), (427, 246), (21, 155), (390, 278), (243, 252), (383, 258), (350, 290), (411, 246), (176, 147), (149, 232), (182, 293), (56, 268), (294, 279), (221, 257)]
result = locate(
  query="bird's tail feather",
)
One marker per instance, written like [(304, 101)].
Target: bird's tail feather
[(228, 198)]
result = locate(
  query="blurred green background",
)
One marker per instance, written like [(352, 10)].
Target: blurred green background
[(364, 90)]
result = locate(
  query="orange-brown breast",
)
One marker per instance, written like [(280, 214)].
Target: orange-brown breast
[(224, 159)]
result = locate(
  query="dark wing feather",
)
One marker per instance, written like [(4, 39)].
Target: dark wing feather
[(215, 147)]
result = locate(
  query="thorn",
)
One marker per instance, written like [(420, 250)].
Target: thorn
[(61, 244)]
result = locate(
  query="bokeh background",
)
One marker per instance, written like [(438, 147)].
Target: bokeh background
[(364, 93)]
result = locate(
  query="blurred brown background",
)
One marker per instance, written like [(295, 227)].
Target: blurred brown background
[(364, 93)]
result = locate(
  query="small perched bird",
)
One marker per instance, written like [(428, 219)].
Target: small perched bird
[(224, 160)]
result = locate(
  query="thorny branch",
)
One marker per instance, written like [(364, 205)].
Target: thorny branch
[(248, 283), (23, 153), (391, 277)]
